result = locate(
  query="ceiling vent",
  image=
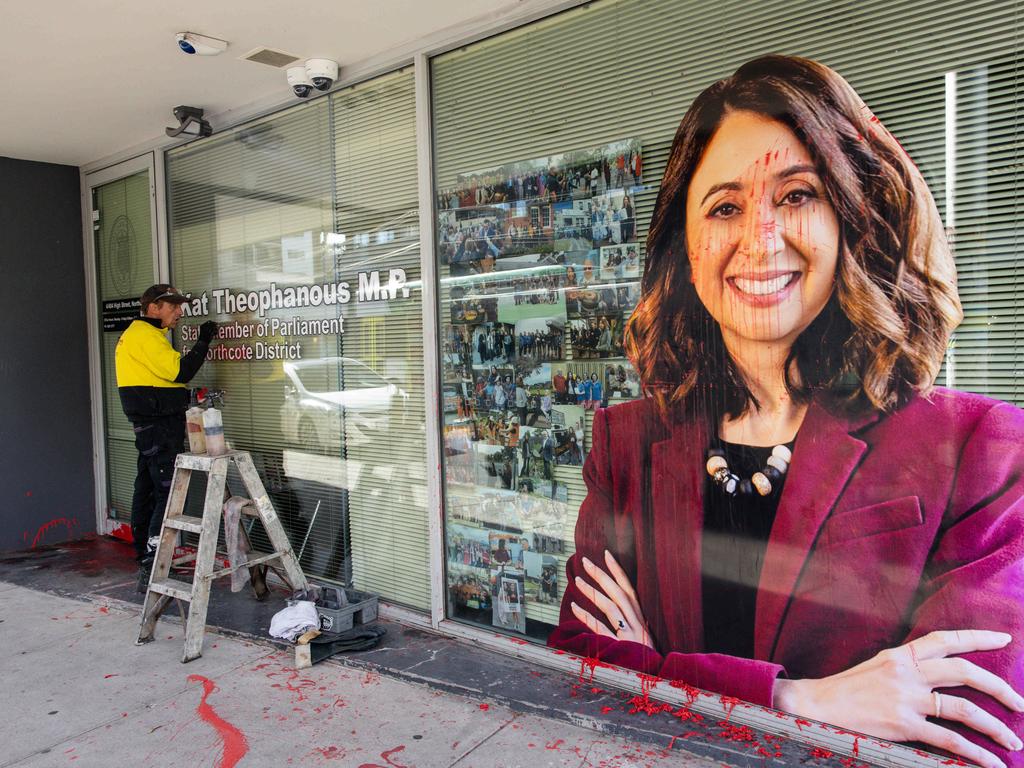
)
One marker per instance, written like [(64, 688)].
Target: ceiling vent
[(270, 57)]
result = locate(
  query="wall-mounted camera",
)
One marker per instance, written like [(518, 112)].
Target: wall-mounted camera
[(201, 45), (300, 82), (323, 73)]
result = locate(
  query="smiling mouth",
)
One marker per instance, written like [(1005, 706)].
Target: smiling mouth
[(763, 286)]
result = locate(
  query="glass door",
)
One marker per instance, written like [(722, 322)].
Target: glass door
[(125, 263)]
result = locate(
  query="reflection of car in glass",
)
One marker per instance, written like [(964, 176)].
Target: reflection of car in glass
[(321, 396)]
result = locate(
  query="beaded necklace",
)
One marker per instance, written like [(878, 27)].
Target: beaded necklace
[(761, 483)]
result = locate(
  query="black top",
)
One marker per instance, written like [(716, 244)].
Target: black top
[(736, 530)]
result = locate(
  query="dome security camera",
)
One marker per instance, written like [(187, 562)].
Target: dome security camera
[(323, 73), (191, 43), (301, 84)]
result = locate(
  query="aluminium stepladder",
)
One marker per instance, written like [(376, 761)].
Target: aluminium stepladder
[(162, 588)]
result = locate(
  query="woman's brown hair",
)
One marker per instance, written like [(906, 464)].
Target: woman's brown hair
[(884, 332)]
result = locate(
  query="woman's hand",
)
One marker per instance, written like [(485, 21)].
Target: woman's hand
[(616, 599), (892, 694)]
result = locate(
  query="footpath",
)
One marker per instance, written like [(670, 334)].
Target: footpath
[(78, 692)]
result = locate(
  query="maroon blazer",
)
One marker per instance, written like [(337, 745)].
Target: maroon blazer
[(889, 527)]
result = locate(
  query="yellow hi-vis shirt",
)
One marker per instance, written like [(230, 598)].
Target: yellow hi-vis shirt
[(145, 358)]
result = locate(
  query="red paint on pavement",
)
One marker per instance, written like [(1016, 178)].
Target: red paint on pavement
[(386, 757), (485, 707), (235, 743)]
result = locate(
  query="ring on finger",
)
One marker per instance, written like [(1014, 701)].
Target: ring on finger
[(622, 625), (938, 703)]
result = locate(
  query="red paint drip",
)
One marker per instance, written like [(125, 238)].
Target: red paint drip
[(70, 524), (235, 743), (728, 704), (592, 665)]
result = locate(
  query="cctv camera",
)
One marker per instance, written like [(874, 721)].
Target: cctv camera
[(191, 43), (301, 85), (323, 73)]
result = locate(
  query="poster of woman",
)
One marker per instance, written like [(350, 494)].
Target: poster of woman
[(795, 514)]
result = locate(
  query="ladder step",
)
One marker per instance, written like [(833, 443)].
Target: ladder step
[(171, 588), (188, 523), (255, 558)]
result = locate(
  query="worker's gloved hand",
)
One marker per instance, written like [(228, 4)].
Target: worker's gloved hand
[(207, 331)]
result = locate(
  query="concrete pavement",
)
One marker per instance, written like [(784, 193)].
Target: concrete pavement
[(77, 691)]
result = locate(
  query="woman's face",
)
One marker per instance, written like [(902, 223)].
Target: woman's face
[(762, 236)]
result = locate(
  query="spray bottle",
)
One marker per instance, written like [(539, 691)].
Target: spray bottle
[(213, 424)]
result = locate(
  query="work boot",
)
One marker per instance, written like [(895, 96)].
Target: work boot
[(145, 568)]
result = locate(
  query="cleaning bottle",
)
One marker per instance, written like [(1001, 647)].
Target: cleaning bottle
[(213, 425), (196, 437)]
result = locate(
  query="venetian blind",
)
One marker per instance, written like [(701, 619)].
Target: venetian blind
[(615, 70), (271, 204), (374, 140)]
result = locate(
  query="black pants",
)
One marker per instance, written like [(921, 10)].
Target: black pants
[(158, 443)]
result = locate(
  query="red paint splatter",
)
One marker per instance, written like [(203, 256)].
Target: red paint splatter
[(70, 524), (820, 752), (555, 745), (104, 609), (643, 703), (606, 710), (801, 723), (386, 757), (107, 677), (485, 707), (235, 743), (331, 753)]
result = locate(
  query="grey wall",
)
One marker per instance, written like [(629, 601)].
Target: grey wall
[(46, 481)]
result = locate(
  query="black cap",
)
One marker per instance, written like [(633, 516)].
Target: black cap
[(162, 292)]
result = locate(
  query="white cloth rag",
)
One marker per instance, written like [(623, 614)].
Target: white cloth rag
[(292, 621)]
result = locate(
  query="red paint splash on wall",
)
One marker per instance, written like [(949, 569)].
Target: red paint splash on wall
[(235, 743), (69, 524), (386, 757)]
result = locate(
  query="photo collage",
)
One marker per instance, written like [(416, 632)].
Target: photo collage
[(543, 272)]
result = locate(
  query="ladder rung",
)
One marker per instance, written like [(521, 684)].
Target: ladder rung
[(188, 523), (255, 558), (171, 588)]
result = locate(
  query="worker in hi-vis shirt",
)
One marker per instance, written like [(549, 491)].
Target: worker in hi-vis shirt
[(151, 379)]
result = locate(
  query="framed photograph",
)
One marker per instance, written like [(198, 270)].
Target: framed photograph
[(509, 599)]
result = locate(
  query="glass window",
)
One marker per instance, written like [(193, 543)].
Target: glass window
[(299, 235), (798, 230)]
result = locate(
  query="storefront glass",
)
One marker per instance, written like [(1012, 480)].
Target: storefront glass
[(779, 276), (123, 236), (299, 235)]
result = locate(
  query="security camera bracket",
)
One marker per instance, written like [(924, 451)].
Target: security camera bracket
[(190, 122)]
